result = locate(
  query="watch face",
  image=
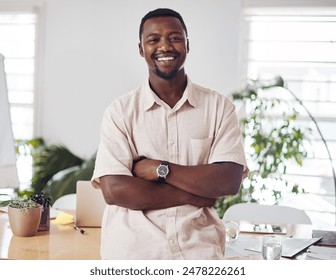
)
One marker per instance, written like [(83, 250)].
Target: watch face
[(162, 170)]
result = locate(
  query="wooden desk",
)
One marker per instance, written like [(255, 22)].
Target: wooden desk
[(62, 242), (65, 243)]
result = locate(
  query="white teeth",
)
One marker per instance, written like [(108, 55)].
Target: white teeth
[(165, 58)]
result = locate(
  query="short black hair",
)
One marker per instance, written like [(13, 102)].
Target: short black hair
[(162, 12)]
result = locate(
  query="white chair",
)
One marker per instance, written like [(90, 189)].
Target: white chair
[(266, 214), (65, 202)]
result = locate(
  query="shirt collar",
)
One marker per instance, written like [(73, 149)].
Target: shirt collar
[(150, 98)]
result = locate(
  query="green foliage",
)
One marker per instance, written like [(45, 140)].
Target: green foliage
[(55, 168), (23, 203), (27, 147), (273, 140), (64, 182), (5, 202), (49, 160)]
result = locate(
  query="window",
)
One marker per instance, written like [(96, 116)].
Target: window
[(300, 45), (18, 45)]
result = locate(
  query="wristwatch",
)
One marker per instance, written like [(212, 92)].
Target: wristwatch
[(162, 171)]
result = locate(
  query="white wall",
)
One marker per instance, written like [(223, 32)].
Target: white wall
[(90, 57)]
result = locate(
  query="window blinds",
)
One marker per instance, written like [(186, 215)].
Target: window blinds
[(300, 46)]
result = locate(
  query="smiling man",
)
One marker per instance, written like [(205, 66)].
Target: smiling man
[(168, 150)]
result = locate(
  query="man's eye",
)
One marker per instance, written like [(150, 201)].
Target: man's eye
[(152, 40), (176, 38)]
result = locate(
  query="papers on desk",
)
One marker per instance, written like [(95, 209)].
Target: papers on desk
[(63, 219), (321, 253)]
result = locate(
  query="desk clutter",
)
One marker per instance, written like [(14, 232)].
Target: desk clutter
[(45, 216), (63, 218), (318, 244), (291, 246)]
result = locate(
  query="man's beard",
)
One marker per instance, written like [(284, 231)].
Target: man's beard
[(164, 75)]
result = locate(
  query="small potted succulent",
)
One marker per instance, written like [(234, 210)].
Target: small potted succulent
[(24, 216)]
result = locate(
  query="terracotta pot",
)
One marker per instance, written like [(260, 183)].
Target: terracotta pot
[(24, 224)]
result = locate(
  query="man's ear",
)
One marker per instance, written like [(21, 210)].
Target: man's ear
[(141, 49), (188, 46)]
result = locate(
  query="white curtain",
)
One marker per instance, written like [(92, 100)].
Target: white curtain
[(8, 170)]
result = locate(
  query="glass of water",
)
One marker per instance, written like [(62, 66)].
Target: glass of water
[(231, 231), (271, 247)]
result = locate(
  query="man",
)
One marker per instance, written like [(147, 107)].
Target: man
[(168, 150)]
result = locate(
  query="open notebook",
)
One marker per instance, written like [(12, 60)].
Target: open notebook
[(90, 205), (290, 246)]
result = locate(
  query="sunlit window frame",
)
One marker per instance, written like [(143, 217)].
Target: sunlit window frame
[(277, 7), (36, 7)]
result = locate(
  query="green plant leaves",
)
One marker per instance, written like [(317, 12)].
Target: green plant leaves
[(23, 203), (64, 182), (273, 139), (49, 160)]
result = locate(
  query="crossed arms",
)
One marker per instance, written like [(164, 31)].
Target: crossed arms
[(198, 185)]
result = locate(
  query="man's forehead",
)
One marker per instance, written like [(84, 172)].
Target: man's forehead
[(162, 23)]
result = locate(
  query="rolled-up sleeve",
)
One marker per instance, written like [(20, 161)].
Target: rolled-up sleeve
[(114, 156), (228, 144)]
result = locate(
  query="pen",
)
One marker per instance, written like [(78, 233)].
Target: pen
[(82, 231)]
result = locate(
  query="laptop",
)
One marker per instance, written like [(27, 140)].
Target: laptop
[(90, 205), (291, 246)]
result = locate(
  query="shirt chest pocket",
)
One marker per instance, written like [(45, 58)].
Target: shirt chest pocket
[(199, 151)]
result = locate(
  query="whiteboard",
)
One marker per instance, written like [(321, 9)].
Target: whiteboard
[(8, 170)]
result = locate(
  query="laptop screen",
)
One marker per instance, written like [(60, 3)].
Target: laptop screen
[(90, 205)]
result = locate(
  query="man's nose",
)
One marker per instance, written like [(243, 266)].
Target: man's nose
[(165, 45)]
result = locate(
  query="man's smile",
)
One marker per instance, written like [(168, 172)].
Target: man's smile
[(168, 58), (165, 58)]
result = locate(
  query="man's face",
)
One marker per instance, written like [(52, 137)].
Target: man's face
[(164, 46)]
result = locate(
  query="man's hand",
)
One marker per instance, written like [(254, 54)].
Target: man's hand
[(146, 169)]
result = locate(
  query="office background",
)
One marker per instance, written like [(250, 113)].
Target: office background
[(87, 55)]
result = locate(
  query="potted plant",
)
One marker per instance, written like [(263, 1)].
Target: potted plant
[(24, 216), (273, 139)]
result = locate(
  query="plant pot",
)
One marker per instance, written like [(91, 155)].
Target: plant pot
[(24, 224)]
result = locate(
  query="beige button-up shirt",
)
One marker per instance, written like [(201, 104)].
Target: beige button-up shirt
[(201, 128)]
